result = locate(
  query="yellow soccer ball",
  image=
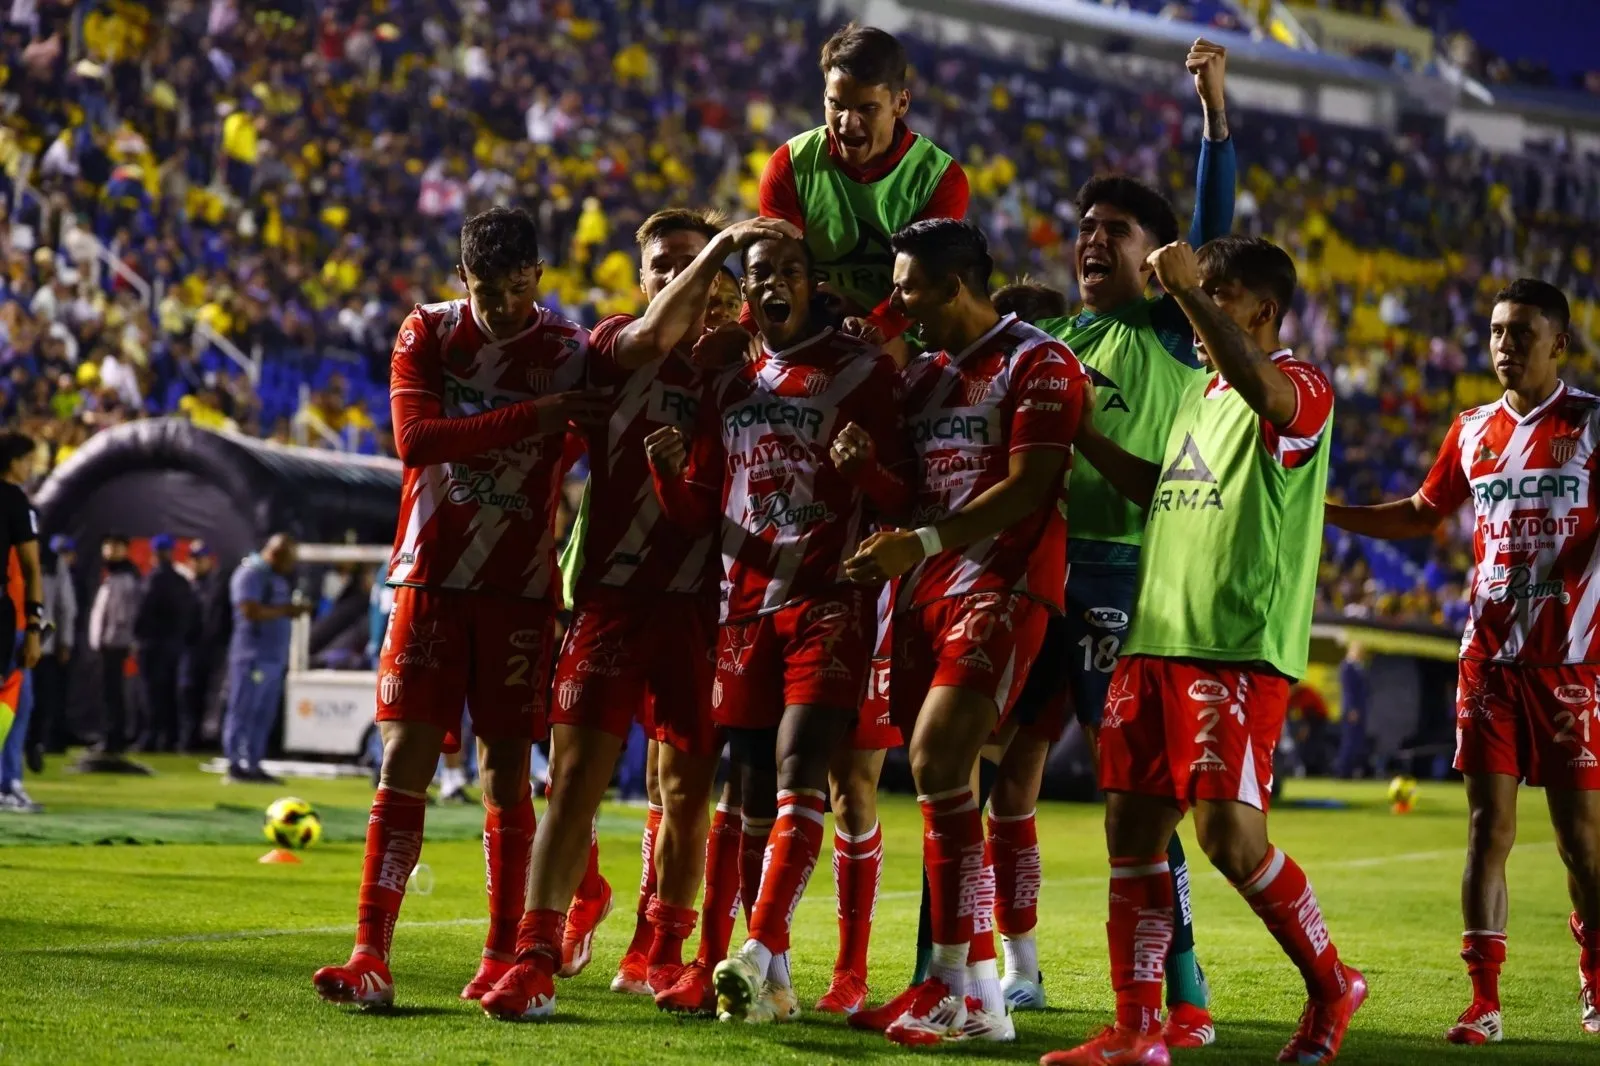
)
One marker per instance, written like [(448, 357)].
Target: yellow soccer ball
[(1403, 793), (292, 823)]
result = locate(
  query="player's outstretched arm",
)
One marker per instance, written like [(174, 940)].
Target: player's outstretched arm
[(1396, 520), (1241, 362), (1216, 173), (682, 303)]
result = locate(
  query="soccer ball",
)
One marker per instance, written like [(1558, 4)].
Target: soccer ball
[(1403, 793), (292, 823)]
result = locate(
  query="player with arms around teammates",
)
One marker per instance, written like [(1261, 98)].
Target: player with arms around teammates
[(641, 624), (1530, 661), (993, 410), (795, 637), (484, 391), (1138, 351), (1198, 699)]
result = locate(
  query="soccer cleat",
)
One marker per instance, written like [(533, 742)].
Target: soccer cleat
[(692, 993), (777, 1005), (933, 1017), (363, 981), (1114, 1047), (982, 1025), (877, 1019), (526, 992), (1478, 1024), (1323, 1024), (1588, 984), (845, 995), (633, 978), (1021, 993), (1188, 1026), (583, 918), (738, 983), (660, 977), (489, 973)]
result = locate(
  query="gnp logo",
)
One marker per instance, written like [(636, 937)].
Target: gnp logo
[(1575, 695), (1536, 487), (774, 511), (1507, 583), (1208, 691), (1108, 618)]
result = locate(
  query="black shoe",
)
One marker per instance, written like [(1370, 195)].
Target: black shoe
[(237, 775), (34, 757), (261, 777)]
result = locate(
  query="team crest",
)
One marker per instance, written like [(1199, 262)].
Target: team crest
[(817, 383), (1562, 449), (540, 378), (567, 693), (975, 389), (389, 689), (716, 693)]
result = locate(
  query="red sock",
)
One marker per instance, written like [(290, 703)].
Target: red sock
[(1282, 897), (394, 842), (983, 911), (1484, 953), (643, 933), (1014, 851), (539, 937), (755, 833), (1588, 938), (721, 904), (591, 885), (952, 851), (857, 869), (1139, 930), (672, 926), (507, 839), (796, 843)]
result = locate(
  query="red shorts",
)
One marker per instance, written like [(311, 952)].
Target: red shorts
[(1192, 730), (444, 650), (1537, 723), (984, 642), (815, 651), (648, 656)]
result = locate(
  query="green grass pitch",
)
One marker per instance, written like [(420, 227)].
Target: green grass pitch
[(195, 953)]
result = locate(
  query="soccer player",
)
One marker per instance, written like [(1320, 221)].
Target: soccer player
[(483, 390), (1138, 351), (993, 412), (849, 184), (792, 665), (1031, 301), (1198, 699), (1525, 706), (642, 624)]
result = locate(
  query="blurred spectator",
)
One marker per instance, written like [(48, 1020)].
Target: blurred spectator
[(1354, 697), (206, 644), (166, 616), (48, 732), (111, 622)]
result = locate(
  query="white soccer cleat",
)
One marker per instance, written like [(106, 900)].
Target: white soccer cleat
[(1591, 1009), (738, 982), (933, 1017), (1021, 993), (982, 1025), (777, 1005)]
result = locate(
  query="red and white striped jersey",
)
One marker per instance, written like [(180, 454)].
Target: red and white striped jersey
[(483, 522), (1534, 594), (790, 519), (1295, 442), (628, 543), (1013, 389)]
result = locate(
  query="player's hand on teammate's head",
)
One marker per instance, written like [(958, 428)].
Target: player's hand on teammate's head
[(668, 450), (583, 408), (1177, 267), (730, 344), (1208, 63), (882, 556), (743, 234), (852, 450), (862, 328)]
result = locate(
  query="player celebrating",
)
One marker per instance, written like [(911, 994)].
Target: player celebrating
[(1526, 698), (1198, 700), (483, 390), (993, 412), (793, 655)]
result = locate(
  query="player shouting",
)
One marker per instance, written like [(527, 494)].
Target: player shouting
[(641, 623), (795, 641), (1197, 701), (993, 412), (1526, 703), (483, 392)]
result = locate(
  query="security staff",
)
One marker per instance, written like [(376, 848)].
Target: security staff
[(264, 608)]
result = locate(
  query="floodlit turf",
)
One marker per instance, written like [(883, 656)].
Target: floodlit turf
[(196, 953)]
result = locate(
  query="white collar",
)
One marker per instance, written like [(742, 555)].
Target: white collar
[(1555, 394)]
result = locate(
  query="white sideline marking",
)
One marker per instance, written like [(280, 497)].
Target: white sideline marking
[(323, 930)]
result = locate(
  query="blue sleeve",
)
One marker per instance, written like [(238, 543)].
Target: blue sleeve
[(1213, 191), (248, 586)]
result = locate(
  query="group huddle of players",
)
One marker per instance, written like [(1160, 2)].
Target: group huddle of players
[(892, 525)]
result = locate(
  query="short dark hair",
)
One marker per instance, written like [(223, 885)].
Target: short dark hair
[(499, 242), (705, 222), (1147, 206), (805, 249), (1030, 300), (1550, 301), (14, 445), (1254, 262), (946, 246), (116, 538), (867, 54)]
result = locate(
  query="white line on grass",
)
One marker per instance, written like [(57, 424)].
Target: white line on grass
[(1365, 862)]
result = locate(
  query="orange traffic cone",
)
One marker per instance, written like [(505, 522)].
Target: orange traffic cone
[(279, 855)]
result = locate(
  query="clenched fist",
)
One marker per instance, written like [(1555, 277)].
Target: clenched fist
[(852, 450), (668, 450), (1176, 266)]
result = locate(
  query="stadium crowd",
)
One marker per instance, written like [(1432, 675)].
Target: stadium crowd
[(257, 173)]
